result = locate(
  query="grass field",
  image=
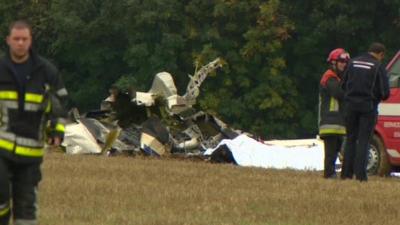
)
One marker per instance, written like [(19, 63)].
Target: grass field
[(98, 190)]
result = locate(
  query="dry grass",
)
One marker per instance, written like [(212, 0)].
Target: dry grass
[(78, 190)]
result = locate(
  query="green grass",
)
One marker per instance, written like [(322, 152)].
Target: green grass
[(78, 190)]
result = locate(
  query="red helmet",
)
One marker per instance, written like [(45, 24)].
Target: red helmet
[(338, 54)]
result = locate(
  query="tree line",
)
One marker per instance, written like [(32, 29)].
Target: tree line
[(275, 50)]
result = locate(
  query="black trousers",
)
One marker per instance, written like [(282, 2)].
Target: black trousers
[(18, 186), (333, 144), (359, 128)]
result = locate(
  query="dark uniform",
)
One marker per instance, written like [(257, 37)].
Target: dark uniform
[(31, 94), (331, 122), (365, 84)]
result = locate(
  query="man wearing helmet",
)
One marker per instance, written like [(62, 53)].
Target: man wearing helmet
[(365, 84), (331, 122)]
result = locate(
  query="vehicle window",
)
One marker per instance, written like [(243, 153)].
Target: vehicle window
[(394, 74)]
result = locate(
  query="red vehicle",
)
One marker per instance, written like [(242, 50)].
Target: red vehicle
[(384, 151)]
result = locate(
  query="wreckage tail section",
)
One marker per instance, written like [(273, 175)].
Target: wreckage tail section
[(192, 90)]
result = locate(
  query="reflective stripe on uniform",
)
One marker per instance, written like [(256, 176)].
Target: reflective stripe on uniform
[(4, 209), (363, 62), (29, 97), (48, 107), (10, 104), (333, 104), (28, 142), (62, 92), (7, 145), (7, 135), (8, 95), (4, 115), (11, 137), (35, 98), (27, 151), (32, 107), (21, 150), (60, 127), (332, 129)]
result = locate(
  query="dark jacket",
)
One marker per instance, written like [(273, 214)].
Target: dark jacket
[(365, 83), (27, 106), (330, 105)]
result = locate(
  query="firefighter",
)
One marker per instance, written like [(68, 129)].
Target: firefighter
[(365, 84), (331, 122), (31, 95)]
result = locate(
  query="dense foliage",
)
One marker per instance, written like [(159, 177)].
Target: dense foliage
[(275, 50)]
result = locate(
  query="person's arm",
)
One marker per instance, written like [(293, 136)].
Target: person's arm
[(334, 88), (57, 112), (383, 83), (381, 89)]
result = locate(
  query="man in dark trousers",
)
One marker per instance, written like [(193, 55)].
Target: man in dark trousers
[(365, 84), (31, 94)]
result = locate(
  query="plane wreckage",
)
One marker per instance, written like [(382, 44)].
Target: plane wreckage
[(157, 122), (162, 123)]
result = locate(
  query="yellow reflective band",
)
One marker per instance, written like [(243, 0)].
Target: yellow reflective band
[(26, 151), (60, 127), (333, 105), (4, 211), (8, 145), (13, 95), (20, 150), (8, 95), (332, 131), (48, 107), (35, 98)]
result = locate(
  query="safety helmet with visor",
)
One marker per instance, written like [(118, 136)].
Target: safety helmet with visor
[(338, 55)]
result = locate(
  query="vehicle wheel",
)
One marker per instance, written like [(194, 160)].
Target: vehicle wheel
[(378, 162)]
